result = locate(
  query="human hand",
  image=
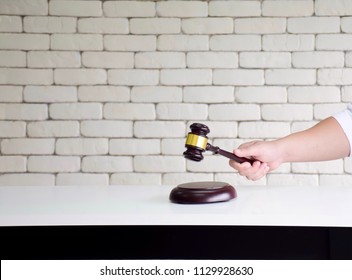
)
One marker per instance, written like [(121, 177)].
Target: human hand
[(267, 156)]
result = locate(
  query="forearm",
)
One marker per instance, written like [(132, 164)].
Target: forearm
[(324, 141)]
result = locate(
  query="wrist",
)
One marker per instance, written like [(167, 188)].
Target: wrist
[(282, 151)]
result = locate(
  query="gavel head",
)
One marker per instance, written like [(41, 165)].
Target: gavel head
[(196, 142)]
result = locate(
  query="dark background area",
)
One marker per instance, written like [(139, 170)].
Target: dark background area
[(175, 242)]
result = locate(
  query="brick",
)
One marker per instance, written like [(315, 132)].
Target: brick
[(80, 76), (172, 111), (76, 8), (159, 164), (186, 77), (27, 179), (239, 77), (10, 94), (221, 129), (207, 26), (107, 164), (49, 94), (182, 9), (292, 180), (183, 43), (130, 43), (338, 42), (179, 178), (156, 94), (263, 129), (290, 77), (313, 94), (287, 112), (129, 111), (265, 60), (317, 59), (347, 94), (260, 25), (10, 24), (212, 60), (300, 126), (134, 146), (348, 165), (54, 59), (53, 129), (81, 179), (329, 8), (103, 25), (129, 9), (172, 146), (211, 163), (159, 129), (27, 146), (12, 129), (235, 43), (313, 25), (23, 112), (155, 26), (24, 41), (287, 8), (12, 59), (106, 94), (76, 111), (346, 24), (322, 111), (13, 164), (288, 42), (34, 24), (22, 76), (211, 94), (326, 167), (235, 112), (265, 94), (228, 144), (235, 8), (77, 42), (53, 164), (108, 59), (82, 146), (160, 60), (107, 128), (340, 76), (24, 7), (348, 59), (133, 77), (135, 179), (336, 180)]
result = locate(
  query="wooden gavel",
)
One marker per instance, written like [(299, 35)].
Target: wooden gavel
[(197, 143)]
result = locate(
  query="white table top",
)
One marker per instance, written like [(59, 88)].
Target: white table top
[(149, 205)]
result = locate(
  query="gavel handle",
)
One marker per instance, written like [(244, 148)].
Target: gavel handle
[(217, 150)]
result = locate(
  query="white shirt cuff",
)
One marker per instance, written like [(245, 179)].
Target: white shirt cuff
[(344, 118)]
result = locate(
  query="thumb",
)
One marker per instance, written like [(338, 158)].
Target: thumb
[(248, 150)]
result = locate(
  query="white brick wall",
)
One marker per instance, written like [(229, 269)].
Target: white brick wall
[(103, 92)]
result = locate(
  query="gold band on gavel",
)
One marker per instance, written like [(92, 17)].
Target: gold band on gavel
[(196, 140)]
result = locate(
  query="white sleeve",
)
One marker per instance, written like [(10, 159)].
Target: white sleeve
[(344, 118)]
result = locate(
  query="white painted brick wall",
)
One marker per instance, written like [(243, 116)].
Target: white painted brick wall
[(82, 146), (103, 92), (47, 129), (43, 24), (107, 164), (28, 146)]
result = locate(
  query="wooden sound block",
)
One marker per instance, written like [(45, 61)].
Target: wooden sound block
[(202, 192)]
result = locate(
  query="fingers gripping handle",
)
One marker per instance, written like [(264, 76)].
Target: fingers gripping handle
[(217, 150)]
